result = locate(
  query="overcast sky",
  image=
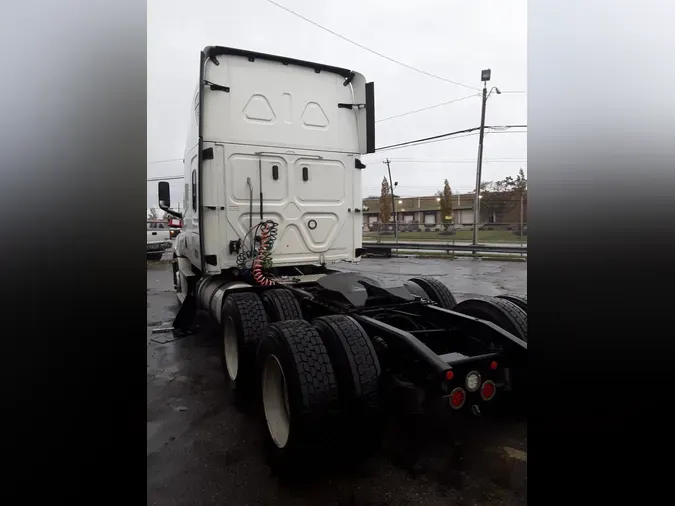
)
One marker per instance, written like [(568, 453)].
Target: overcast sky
[(453, 39)]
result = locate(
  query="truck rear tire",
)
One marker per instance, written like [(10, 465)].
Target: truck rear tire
[(357, 370), (281, 305), (518, 299), (501, 312), (436, 291), (299, 393), (243, 323)]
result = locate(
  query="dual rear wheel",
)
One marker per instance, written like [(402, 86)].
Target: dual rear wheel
[(315, 382), (508, 311)]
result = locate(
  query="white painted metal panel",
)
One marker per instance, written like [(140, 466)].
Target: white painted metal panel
[(284, 121), (275, 105), (316, 217)]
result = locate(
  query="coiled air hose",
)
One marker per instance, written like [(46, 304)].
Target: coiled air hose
[(263, 260)]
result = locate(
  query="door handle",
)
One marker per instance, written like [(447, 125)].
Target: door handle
[(154, 233)]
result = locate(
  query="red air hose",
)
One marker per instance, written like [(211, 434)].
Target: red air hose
[(257, 271)]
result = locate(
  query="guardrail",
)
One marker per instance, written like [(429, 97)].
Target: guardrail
[(387, 247)]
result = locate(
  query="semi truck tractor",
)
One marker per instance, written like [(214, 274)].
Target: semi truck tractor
[(272, 203)]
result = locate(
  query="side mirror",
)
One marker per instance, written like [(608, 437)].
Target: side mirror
[(164, 194)]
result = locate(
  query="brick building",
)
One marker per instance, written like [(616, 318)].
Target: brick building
[(426, 211)]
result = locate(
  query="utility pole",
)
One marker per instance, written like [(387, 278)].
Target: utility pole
[(393, 201), (479, 167), (485, 77)]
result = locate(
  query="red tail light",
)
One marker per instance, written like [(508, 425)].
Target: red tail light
[(457, 398), (449, 375), (494, 365), (488, 390)]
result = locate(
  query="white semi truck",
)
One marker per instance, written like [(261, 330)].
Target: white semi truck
[(272, 199)]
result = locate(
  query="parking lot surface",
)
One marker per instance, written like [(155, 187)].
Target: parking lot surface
[(201, 450)]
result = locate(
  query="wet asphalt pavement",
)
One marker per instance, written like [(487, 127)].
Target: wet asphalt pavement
[(201, 450)]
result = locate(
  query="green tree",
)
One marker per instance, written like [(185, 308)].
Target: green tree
[(500, 197), (446, 204), (385, 202), (520, 183)]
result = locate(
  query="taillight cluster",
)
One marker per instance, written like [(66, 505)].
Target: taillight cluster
[(488, 390), (472, 383), (457, 398)]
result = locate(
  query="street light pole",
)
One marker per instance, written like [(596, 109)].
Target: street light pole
[(476, 200), (485, 77), (393, 200)]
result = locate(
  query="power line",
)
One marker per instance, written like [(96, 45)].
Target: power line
[(402, 159), (471, 134), (407, 143), (450, 134), (169, 160), (498, 129), (506, 132), (165, 178), (410, 67), (520, 160), (506, 127), (427, 108)]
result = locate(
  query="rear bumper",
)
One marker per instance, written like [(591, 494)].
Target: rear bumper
[(158, 246)]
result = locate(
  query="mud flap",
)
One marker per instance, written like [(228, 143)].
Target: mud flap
[(186, 314)]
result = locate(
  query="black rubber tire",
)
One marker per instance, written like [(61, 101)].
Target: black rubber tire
[(312, 393), (501, 312), (415, 289), (518, 299), (250, 321), (355, 363), (281, 305), (155, 256), (372, 281), (436, 291), (357, 369)]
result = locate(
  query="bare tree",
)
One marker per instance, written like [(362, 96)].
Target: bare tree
[(152, 215)]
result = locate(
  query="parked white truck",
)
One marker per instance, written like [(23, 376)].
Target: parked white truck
[(159, 239), (272, 197)]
